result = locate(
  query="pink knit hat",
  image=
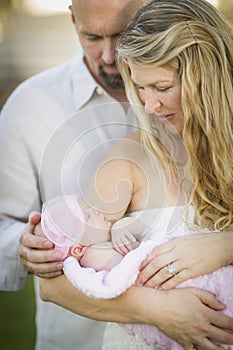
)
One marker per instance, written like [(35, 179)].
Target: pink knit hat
[(63, 222)]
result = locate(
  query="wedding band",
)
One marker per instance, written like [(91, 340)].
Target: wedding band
[(173, 271)]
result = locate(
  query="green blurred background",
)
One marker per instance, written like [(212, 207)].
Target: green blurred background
[(28, 45), (29, 32), (17, 321)]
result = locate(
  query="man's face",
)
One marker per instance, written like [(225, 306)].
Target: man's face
[(98, 23)]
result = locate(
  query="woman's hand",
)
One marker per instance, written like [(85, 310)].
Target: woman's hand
[(190, 256), (36, 252)]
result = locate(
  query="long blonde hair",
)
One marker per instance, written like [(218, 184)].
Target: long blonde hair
[(195, 39)]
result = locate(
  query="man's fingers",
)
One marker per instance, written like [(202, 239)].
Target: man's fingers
[(46, 269), (34, 218), (38, 256), (209, 299), (32, 241), (36, 252), (50, 275)]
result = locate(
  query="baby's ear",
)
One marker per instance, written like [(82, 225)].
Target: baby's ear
[(78, 250)]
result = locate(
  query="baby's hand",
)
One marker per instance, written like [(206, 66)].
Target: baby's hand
[(123, 241)]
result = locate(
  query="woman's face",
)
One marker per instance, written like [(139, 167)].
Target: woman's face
[(159, 90)]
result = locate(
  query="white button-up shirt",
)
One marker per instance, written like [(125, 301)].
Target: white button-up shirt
[(54, 129)]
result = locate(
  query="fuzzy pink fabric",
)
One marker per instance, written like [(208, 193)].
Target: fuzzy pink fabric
[(219, 283), (110, 284), (60, 222)]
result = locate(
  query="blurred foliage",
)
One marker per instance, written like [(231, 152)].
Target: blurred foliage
[(17, 310), (8, 7), (226, 7)]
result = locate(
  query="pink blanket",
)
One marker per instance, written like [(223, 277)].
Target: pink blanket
[(110, 284)]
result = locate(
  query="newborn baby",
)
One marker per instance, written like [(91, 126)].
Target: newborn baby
[(87, 235)]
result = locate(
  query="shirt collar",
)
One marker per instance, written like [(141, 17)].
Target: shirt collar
[(84, 85)]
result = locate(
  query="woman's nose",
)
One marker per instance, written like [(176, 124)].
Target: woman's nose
[(152, 103)]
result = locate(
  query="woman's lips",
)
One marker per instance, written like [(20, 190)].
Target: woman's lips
[(166, 118)]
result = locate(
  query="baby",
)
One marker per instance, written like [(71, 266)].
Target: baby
[(87, 235)]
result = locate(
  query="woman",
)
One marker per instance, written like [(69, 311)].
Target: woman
[(187, 46), (176, 58)]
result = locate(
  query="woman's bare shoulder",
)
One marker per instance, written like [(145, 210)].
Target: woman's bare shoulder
[(125, 146)]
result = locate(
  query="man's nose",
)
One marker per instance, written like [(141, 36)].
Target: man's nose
[(108, 54)]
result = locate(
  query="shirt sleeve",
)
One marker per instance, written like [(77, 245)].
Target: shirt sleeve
[(12, 272), (18, 189)]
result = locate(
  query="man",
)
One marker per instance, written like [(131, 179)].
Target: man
[(29, 128), (54, 129)]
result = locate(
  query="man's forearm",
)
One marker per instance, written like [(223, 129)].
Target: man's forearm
[(130, 307)]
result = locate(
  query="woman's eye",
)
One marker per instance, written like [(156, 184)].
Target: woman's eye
[(162, 88), (140, 88), (158, 88)]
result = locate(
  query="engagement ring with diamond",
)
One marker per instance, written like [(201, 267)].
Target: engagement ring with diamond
[(171, 269)]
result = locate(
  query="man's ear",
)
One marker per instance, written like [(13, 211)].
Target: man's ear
[(78, 250), (72, 13)]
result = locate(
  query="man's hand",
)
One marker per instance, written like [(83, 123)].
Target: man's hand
[(190, 316), (36, 252)]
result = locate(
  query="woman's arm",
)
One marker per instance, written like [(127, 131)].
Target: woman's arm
[(111, 188), (118, 178), (191, 255), (182, 314)]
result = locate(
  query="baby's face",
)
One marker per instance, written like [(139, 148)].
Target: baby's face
[(97, 228)]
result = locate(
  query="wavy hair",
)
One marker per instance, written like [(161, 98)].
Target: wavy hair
[(195, 39)]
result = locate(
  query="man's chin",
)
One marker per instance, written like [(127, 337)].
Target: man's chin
[(112, 81)]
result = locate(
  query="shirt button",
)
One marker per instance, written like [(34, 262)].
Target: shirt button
[(99, 91)]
